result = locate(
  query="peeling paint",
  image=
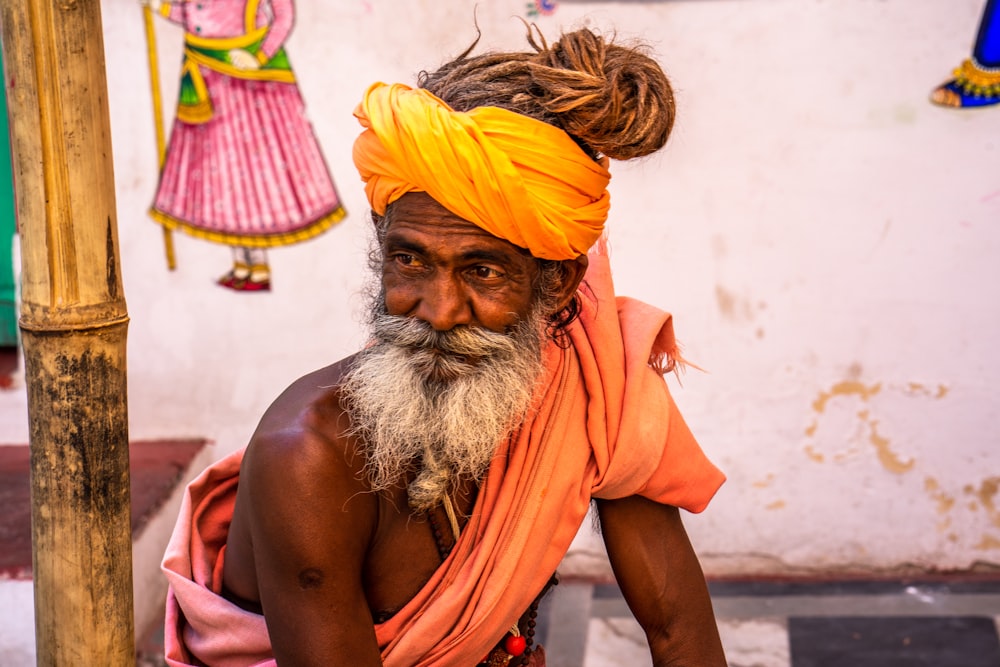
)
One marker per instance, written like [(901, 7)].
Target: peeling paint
[(812, 453), (725, 300), (886, 456), (764, 483), (988, 543), (921, 389), (988, 491), (732, 306), (889, 459), (985, 496), (944, 501), (846, 388)]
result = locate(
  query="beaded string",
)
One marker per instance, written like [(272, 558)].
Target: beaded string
[(529, 633), (443, 550), (499, 655)]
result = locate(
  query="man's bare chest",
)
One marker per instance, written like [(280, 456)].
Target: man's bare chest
[(407, 549)]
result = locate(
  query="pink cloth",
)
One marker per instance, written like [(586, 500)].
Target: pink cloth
[(253, 175), (605, 427), (199, 622)]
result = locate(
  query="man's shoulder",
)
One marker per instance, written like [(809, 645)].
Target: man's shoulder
[(312, 401), (306, 428)]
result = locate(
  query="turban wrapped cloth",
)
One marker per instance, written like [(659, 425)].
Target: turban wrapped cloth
[(518, 178)]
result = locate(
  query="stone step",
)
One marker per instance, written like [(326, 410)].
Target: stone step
[(159, 471)]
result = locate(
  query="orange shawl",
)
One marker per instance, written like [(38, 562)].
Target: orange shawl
[(606, 427)]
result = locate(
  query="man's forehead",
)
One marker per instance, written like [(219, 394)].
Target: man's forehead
[(417, 218)]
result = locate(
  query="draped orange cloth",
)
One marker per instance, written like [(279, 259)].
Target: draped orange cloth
[(605, 426), (518, 178)]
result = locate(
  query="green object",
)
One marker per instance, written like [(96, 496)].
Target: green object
[(8, 227)]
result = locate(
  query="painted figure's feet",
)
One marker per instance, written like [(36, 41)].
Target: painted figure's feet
[(973, 86), (243, 278), (229, 280), (235, 277), (253, 284), (248, 283)]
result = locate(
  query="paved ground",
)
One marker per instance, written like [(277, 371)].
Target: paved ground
[(840, 624), (156, 466), (834, 624)]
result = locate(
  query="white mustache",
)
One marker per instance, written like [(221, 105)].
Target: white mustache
[(461, 341)]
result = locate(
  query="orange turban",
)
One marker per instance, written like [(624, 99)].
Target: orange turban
[(516, 177)]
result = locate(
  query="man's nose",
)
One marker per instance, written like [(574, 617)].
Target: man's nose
[(444, 304)]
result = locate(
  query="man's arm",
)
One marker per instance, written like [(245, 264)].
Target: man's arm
[(311, 524), (662, 581)]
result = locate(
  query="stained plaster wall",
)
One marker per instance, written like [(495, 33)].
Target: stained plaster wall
[(826, 238)]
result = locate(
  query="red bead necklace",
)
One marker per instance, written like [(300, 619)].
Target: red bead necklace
[(515, 644)]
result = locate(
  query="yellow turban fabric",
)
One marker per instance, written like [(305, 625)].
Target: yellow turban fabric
[(518, 178)]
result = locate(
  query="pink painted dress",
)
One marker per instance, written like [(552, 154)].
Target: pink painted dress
[(243, 166)]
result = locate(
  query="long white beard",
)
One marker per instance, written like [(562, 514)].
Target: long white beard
[(439, 403)]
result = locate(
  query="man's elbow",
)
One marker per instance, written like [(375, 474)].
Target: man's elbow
[(700, 647)]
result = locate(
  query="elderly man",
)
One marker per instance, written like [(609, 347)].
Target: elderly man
[(408, 505)]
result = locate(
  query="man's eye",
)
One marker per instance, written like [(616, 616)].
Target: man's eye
[(405, 259), (486, 273)]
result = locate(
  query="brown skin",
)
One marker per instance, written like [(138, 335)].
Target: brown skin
[(319, 554), (662, 581)]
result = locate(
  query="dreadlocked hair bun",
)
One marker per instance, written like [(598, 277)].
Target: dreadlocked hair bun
[(613, 100)]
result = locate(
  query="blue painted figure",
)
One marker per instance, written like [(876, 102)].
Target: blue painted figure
[(977, 79)]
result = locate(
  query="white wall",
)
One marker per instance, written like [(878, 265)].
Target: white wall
[(826, 238)]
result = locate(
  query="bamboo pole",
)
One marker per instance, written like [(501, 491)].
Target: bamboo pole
[(73, 322)]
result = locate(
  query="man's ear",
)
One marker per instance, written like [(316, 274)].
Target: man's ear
[(573, 272)]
